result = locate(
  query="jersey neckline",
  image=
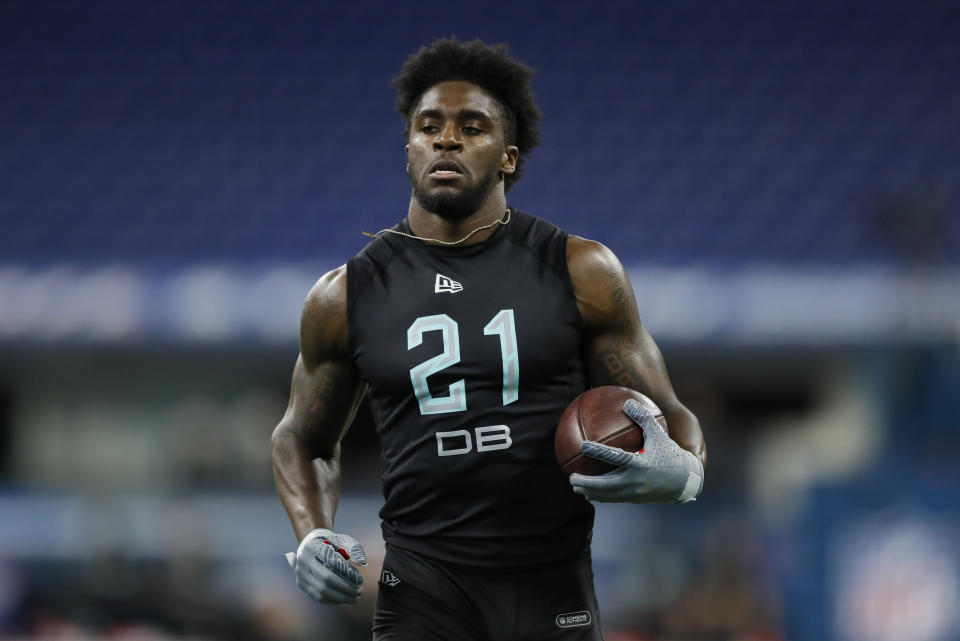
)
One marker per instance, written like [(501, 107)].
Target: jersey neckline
[(495, 238)]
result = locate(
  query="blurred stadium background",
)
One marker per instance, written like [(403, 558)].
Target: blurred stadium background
[(782, 180)]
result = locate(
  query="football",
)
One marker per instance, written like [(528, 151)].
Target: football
[(597, 415)]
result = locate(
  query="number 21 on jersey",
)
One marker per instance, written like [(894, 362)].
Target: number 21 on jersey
[(502, 325)]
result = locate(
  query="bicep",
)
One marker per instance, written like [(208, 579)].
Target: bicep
[(323, 401), (327, 387), (617, 348)]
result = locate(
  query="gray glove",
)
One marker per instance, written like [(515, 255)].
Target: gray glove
[(662, 472), (322, 570)]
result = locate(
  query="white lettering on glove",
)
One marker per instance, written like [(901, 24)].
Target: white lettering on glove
[(322, 567), (662, 472)]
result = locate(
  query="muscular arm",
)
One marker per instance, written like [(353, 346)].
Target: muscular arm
[(324, 396), (617, 349)]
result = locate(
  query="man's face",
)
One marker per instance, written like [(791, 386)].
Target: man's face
[(457, 149)]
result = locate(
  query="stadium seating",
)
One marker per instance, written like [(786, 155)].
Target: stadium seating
[(140, 134)]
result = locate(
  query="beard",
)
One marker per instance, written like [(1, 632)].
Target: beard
[(459, 205)]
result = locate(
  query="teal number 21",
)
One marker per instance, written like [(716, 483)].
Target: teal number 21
[(502, 324)]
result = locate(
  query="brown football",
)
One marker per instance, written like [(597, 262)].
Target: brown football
[(597, 415)]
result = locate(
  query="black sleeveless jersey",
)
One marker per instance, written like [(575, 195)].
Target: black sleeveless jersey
[(472, 354)]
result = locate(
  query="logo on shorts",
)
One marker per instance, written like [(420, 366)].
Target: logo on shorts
[(573, 619), (389, 578)]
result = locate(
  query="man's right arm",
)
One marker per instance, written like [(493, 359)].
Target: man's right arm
[(325, 393)]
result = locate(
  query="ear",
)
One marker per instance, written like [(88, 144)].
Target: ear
[(508, 161)]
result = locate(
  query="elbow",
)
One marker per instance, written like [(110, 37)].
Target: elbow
[(282, 437), (288, 440), (701, 454), (684, 428)]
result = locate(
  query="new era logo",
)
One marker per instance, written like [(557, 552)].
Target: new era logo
[(389, 578), (446, 284)]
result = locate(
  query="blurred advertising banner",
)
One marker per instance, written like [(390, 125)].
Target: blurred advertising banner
[(219, 303)]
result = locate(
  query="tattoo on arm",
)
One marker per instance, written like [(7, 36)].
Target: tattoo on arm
[(615, 355), (619, 295), (617, 370)]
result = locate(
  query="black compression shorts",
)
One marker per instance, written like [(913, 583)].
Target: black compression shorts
[(421, 599)]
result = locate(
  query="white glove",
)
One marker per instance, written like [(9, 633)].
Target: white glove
[(662, 472), (322, 569)]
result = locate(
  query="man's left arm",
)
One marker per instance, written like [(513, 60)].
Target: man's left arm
[(618, 350)]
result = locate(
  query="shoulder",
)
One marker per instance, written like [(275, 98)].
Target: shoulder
[(588, 258), (323, 321), (330, 291), (600, 283)]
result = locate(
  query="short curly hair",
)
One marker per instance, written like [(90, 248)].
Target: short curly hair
[(487, 66)]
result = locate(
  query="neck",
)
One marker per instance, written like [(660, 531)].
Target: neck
[(430, 225)]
